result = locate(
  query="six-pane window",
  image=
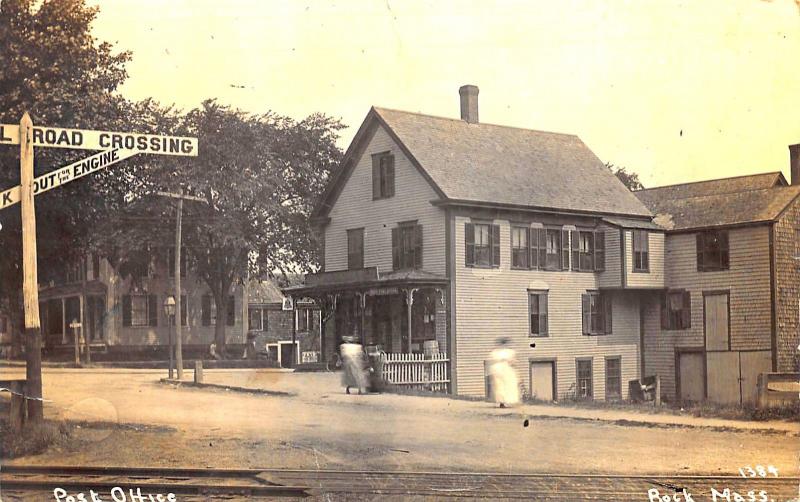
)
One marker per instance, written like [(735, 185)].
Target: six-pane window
[(482, 242), (553, 250), (519, 246), (382, 175), (613, 378), (712, 250), (537, 306), (641, 251), (257, 319), (596, 310), (209, 311), (407, 246), (139, 310), (583, 369), (676, 310), (355, 248)]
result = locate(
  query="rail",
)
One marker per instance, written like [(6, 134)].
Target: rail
[(417, 371)]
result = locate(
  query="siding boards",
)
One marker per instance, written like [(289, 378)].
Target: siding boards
[(491, 303), (749, 284), (355, 208), (655, 277)]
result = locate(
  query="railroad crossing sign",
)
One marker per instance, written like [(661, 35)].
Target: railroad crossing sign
[(84, 139)]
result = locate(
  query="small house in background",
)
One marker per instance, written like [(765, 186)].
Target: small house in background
[(287, 332), (123, 317)]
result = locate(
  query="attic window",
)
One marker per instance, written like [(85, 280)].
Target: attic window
[(382, 175)]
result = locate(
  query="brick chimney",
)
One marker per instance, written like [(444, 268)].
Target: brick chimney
[(469, 103), (794, 164)]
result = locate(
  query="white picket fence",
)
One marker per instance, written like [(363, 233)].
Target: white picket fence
[(417, 371)]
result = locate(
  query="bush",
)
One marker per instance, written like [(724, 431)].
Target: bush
[(32, 440)]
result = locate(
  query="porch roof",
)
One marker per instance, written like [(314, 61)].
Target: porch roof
[(363, 280), (93, 287)]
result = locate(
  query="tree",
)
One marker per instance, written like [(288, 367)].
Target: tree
[(629, 179), (55, 69), (259, 176)]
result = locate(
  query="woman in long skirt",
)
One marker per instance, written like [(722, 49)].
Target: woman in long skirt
[(353, 372), (505, 386)]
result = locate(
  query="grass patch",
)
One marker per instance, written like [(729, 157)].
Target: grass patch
[(32, 439)]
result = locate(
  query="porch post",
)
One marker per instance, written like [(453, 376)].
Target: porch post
[(362, 301), (409, 304)]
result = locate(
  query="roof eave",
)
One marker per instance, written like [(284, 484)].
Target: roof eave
[(533, 209)]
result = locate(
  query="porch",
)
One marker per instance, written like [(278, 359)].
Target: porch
[(401, 315)]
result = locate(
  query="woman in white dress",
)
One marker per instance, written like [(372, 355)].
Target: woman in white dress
[(353, 371), (505, 386)]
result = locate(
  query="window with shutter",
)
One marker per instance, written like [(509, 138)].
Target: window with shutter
[(520, 250), (575, 242), (407, 246), (599, 251), (552, 259), (537, 306), (596, 313), (382, 175), (583, 250), (355, 248), (184, 313), (482, 244), (583, 373)]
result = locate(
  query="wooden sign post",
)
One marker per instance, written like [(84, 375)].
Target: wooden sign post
[(116, 146), (30, 284)]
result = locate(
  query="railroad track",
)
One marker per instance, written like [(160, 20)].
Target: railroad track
[(261, 484)]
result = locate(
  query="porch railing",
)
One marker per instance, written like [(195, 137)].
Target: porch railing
[(417, 371)]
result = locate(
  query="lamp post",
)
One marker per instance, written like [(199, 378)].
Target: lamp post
[(169, 310)]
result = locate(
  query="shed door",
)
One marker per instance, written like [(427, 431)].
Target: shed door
[(542, 380), (690, 365), (753, 363), (723, 377), (716, 321)]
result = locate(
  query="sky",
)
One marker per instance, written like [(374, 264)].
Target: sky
[(675, 91)]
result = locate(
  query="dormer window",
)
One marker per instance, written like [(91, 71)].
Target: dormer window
[(382, 175)]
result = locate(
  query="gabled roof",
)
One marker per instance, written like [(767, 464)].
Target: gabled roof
[(724, 202), (496, 165), (263, 292)]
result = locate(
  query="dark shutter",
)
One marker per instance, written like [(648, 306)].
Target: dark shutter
[(665, 311), (700, 244), (206, 307), (607, 306), (495, 241), (576, 250), (533, 248), (529, 233), (126, 310), (542, 248), (565, 250), (418, 246), (376, 176), (600, 250), (686, 312), (152, 309), (586, 313), (469, 242), (231, 311), (543, 313), (396, 248), (389, 175)]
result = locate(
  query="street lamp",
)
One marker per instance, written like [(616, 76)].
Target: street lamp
[(169, 310)]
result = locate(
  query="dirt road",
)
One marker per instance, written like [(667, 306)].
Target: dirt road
[(318, 426)]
